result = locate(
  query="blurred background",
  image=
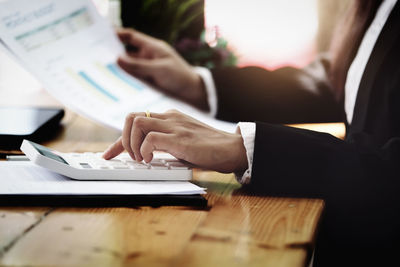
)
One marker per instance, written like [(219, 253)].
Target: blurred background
[(214, 33), (267, 33)]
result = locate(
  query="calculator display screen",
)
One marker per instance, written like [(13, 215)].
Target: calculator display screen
[(48, 153)]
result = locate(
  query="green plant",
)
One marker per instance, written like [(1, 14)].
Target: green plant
[(181, 24), (199, 53), (173, 16)]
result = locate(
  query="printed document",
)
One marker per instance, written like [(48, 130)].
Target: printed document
[(72, 50), (26, 178)]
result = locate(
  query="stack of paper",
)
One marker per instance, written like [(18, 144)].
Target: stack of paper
[(72, 51), (25, 178)]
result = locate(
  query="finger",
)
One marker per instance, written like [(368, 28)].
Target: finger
[(138, 66), (124, 35), (126, 134), (141, 126), (137, 137), (114, 150), (161, 116), (155, 123), (156, 141), (133, 37)]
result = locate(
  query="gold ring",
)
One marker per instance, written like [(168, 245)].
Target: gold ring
[(148, 115)]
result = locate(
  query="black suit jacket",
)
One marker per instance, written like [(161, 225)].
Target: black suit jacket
[(359, 177)]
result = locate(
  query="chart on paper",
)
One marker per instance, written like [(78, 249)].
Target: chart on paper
[(55, 30), (112, 77), (72, 51)]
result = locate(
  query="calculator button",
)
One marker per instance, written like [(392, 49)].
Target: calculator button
[(85, 165), (173, 161), (122, 167), (118, 166), (163, 167), (103, 167), (90, 161), (177, 166), (125, 158), (156, 165), (140, 166), (113, 160)]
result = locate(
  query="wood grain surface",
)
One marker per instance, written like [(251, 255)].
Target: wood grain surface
[(235, 229)]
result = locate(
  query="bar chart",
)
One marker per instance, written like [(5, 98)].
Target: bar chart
[(55, 30)]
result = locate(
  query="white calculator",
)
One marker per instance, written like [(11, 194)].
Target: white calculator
[(91, 166)]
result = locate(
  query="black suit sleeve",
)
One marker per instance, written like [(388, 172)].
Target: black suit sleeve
[(286, 95), (358, 181)]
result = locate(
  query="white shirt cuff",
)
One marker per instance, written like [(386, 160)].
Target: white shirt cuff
[(248, 132), (211, 91)]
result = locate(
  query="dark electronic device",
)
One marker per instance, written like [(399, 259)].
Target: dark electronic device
[(18, 123)]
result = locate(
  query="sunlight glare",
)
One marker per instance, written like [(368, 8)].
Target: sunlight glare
[(269, 33)]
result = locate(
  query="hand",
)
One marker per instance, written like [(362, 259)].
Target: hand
[(159, 64), (183, 137)]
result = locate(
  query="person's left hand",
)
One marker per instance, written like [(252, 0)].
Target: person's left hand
[(183, 137), (158, 63)]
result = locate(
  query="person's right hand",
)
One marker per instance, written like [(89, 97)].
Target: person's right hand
[(158, 63), (183, 137)]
